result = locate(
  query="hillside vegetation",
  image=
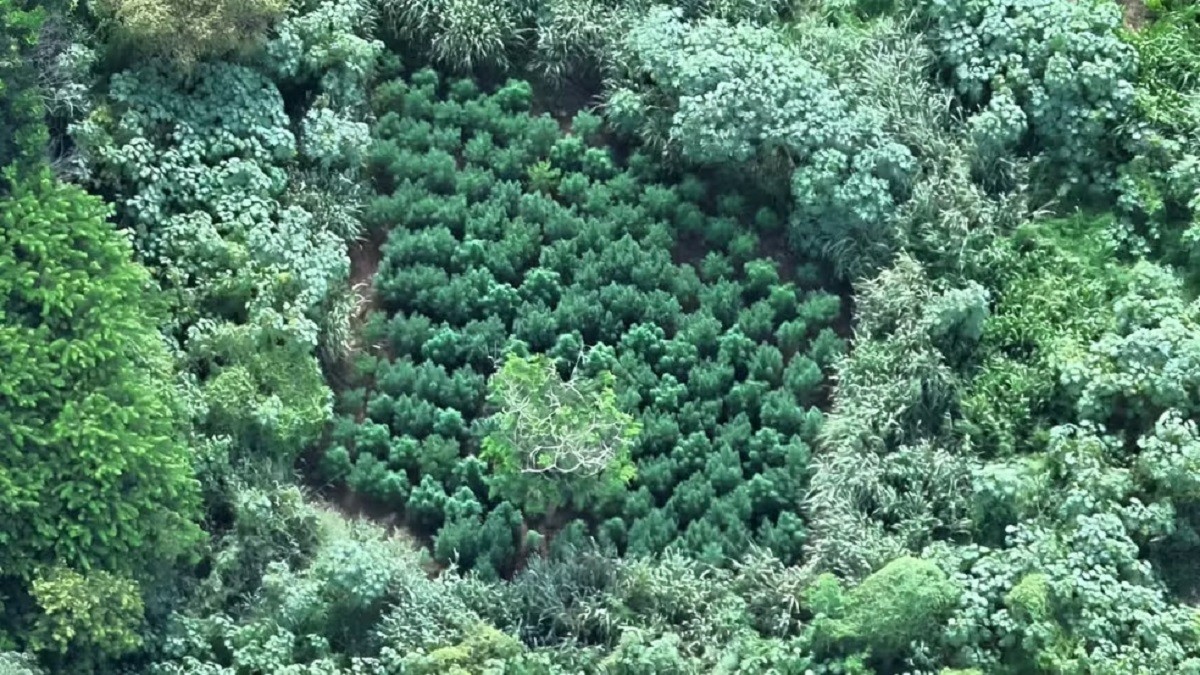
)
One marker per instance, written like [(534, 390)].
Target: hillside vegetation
[(631, 337)]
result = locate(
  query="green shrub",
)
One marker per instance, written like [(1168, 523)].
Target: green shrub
[(904, 602), (190, 31), (86, 617), (1047, 77), (93, 415)]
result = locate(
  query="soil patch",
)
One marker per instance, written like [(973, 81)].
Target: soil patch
[(365, 256), (1136, 14)]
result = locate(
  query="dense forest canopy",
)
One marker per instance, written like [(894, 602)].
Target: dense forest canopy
[(537, 337)]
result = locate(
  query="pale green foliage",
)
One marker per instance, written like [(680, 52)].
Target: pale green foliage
[(1000, 126), (204, 198), (474, 32), (189, 30), (482, 649), (363, 595), (270, 524), (1150, 363), (1167, 52), (1008, 492), (559, 40), (84, 615), (903, 602), (1159, 185), (718, 73), (1068, 590), (331, 141), (460, 34), (265, 392), (1047, 74), (571, 431), (1170, 458), (959, 200), (1058, 279), (889, 475), (202, 167), (577, 37), (547, 424), (582, 596), (955, 318), (424, 615), (339, 336), (1071, 590), (13, 663), (335, 201), (641, 654), (64, 61), (1030, 598), (734, 11), (737, 93), (329, 46)]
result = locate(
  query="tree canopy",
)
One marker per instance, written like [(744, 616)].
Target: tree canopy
[(839, 337)]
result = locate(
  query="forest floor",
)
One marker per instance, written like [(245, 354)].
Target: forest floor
[(1136, 13), (365, 256)]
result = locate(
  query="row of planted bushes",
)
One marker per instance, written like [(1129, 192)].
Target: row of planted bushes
[(510, 234)]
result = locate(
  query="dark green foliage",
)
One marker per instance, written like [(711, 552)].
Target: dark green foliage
[(596, 360), (568, 253), (23, 134), (468, 540)]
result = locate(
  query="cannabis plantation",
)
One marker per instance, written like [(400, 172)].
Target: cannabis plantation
[(631, 337)]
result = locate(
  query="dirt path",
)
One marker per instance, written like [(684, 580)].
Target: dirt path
[(365, 256)]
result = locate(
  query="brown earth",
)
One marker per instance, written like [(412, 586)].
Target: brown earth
[(1136, 14)]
